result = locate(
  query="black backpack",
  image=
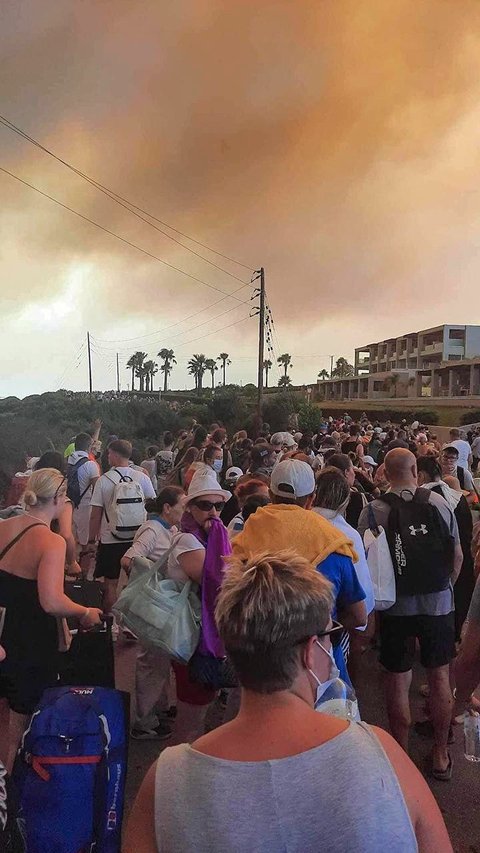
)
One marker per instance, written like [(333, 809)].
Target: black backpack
[(421, 545), (73, 485)]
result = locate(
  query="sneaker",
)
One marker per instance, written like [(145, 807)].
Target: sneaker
[(160, 732)]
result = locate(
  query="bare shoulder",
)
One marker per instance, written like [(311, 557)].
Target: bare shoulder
[(424, 812)]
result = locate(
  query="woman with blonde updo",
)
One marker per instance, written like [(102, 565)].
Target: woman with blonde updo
[(32, 560)]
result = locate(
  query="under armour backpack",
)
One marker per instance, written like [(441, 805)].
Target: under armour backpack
[(421, 545), (70, 772), (126, 511), (73, 483)]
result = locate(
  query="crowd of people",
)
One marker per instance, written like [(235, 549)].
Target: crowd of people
[(269, 531)]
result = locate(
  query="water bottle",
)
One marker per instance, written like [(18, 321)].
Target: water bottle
[(339, 700), (471, 731)]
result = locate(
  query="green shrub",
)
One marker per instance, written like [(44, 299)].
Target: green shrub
[(470, 417)]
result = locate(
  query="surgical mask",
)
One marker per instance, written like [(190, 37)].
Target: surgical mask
[(217, 465), (333, 675)]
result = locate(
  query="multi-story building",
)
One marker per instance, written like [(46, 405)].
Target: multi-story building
[(436, 363), (419, 350)]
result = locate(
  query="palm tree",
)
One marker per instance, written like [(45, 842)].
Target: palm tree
[(135, 362), (324, 374), (286, 361), (223, 357), (196, 366), (150, 368), (267, 365), (168, 358), (343, 369), (284, 381), (211, 365), (132, 363)]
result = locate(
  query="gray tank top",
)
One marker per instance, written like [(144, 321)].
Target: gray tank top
[(340, 797)]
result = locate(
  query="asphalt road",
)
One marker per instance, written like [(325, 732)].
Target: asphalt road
[(459, 799)]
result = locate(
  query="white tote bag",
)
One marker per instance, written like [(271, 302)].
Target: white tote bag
[(380, 564)]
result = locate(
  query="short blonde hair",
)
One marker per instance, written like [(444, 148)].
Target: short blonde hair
[(266, 607), (43, 485)]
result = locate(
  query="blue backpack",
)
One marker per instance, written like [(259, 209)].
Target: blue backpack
[(70, 772)]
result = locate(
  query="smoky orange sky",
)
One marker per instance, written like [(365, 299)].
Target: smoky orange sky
[(333, 142)]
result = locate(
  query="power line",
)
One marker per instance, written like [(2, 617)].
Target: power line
[(166, 328), (242, 320), (128, 205), (179, 334), (117, 236)]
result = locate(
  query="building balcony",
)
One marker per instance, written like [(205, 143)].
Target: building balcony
[(437, 346)]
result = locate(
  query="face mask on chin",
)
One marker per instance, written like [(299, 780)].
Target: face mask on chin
[(333, 675)]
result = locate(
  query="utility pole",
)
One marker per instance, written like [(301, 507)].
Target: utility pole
[(261, 347), (89, 364), (118, 375), (331, 366)]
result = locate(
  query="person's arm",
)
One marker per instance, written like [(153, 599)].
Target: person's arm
[(140, 833), (97, 425), (142, 546), (469, 486), (427, 820), (457, 562), (96, 513), (353, 615), (50, 586), (65, 531), (191, 562)]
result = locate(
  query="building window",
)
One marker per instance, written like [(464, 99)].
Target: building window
[(454, 357), (456, 334)]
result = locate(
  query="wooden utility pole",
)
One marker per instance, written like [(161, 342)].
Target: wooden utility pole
[(261, 347), (118, 375), (89, 364)]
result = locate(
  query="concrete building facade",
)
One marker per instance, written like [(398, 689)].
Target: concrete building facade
[(435, 363), (419, 350)]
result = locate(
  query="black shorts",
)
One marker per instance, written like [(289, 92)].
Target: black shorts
[(23, 687), (108, 559), (398, 635)]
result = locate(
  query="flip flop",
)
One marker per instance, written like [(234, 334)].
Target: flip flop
[(444, 775)]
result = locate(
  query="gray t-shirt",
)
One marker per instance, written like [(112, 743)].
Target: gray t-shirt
[(301, 804), (432, 603)]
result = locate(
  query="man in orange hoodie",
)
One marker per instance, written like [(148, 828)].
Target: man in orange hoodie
[(288, 523)]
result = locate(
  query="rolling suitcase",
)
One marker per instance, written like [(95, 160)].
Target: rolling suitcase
[(90, 659)]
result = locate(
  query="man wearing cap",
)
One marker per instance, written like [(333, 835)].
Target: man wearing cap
[(287, 523)]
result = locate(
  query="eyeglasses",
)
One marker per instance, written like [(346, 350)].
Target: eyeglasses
[(207, 506), (335, 634)]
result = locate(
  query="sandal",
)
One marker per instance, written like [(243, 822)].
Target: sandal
[(444, 775)]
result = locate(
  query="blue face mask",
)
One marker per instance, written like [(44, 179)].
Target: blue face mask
[(217, 465), (333, 675)]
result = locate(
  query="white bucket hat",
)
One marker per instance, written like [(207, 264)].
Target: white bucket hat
[(204, 482)]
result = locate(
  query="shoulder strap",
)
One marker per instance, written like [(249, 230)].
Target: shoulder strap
[(422, 496), (19, 536), (372, 521)]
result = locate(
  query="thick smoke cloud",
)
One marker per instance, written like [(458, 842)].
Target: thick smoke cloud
[(334, 142)]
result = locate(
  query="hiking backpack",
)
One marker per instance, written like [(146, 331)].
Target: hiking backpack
[(126, 511), (421, 545), (70, 772), (73, 484)]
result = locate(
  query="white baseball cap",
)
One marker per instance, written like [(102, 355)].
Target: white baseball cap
[(204, 482), (292, 478), (369, 460), (289, 440), (233, 473)]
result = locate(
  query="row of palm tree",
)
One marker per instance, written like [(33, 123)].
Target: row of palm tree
[(145, 369)]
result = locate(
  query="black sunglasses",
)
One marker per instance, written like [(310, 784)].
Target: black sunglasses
[(207, 506), (335, 634)]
